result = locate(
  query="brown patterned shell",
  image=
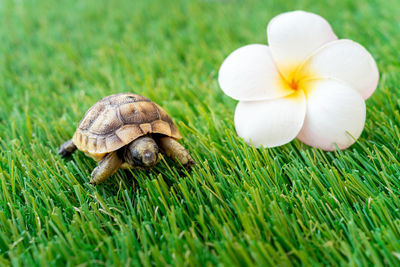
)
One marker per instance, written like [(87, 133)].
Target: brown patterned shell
[(117, 120)]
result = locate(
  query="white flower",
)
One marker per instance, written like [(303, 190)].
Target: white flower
[(305, 84)]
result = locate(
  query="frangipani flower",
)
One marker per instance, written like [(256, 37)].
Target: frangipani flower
[(305, 84)]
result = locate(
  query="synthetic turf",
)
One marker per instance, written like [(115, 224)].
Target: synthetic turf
[(292, 205)]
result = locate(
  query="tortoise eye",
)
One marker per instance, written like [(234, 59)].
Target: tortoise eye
[(131, 97)]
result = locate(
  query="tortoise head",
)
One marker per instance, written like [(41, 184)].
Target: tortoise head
[(142, 152)]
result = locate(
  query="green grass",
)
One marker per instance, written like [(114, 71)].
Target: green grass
[(292, 205)]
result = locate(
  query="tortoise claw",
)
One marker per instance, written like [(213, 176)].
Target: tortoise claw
[(189, 166)]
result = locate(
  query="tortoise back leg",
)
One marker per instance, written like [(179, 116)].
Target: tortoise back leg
[(67, 149), (176, 151), (105, 168)]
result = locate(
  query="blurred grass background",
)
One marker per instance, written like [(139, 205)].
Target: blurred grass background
[(292, 205)]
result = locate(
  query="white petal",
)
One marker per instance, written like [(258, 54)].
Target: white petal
[(335, 114), (249, 73), (347, 61), (270, 123), (293, 36)]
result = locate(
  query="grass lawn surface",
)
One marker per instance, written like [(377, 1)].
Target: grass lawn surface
[(292, 205)]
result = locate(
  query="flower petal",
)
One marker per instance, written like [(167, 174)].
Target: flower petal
[(335, 114), (249, 73), (270, 123), (347, 61), (293, 36)]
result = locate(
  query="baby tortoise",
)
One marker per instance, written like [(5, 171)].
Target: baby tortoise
[(126, 131)]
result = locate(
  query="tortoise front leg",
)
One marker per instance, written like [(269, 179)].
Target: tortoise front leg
[(105, 168), (176, 151), (67, 149)]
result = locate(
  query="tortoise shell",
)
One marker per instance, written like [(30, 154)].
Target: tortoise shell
[(116, 120)]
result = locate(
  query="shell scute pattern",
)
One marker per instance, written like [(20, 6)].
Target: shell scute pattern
[(90, 116), (140, 112), (117, 120), (106, 123)]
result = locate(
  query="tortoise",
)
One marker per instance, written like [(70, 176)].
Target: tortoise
[(126, 130)]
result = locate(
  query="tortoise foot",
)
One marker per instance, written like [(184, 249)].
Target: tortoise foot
[(67, 149)]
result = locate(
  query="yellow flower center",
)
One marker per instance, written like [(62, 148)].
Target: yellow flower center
[(295, 79), (293, 83)]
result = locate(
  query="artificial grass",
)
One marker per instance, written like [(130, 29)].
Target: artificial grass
[(292, 205)]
